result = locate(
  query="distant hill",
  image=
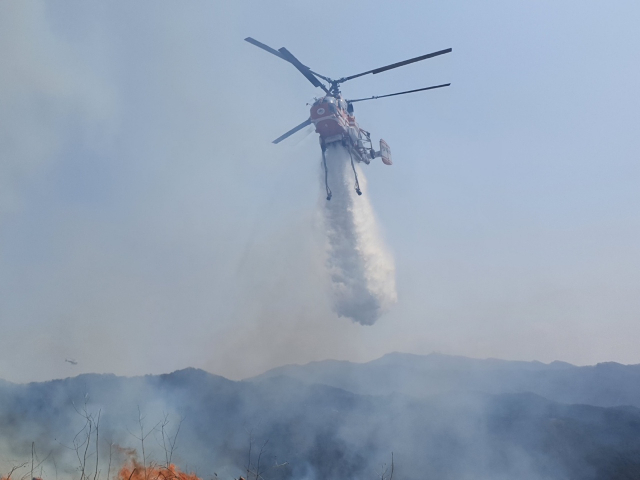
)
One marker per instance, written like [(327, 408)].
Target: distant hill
[(605, 384), (418, 407)]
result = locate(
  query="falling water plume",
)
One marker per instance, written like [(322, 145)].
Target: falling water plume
[(362, 270)]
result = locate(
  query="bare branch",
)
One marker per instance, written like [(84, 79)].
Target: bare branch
[(95, 475), (259, 457), (250, 447), (14, 468), (110, 456), (175, 439), (36, 466)]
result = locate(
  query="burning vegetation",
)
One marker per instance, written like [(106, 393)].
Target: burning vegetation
[(134, 470)]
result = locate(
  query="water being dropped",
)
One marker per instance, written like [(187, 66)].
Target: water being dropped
[(362, 269)]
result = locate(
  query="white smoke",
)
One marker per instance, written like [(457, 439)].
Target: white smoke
[(362, 269)]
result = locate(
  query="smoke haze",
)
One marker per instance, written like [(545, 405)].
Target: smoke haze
[(361, 268), (443, 417)]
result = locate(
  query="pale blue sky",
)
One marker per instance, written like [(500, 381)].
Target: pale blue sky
[(148, 224)]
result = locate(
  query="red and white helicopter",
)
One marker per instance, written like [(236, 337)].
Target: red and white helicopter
[(332, 115)]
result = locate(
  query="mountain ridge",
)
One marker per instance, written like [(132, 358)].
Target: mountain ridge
[(334, 432), (604, 384)]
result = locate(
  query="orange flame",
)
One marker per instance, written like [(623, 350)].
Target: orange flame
[(134, 470)]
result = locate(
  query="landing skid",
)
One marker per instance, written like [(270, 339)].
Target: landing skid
[(357, 185), (326, 173)]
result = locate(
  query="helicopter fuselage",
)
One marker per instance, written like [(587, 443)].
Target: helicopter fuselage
[(335, 123)]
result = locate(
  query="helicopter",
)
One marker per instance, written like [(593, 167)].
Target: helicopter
[(333, 116)]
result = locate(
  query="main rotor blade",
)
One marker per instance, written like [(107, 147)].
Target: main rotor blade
[(267, 48), (399, 93), (304, 70), (275, 52), (292, 131), (398, 64)]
